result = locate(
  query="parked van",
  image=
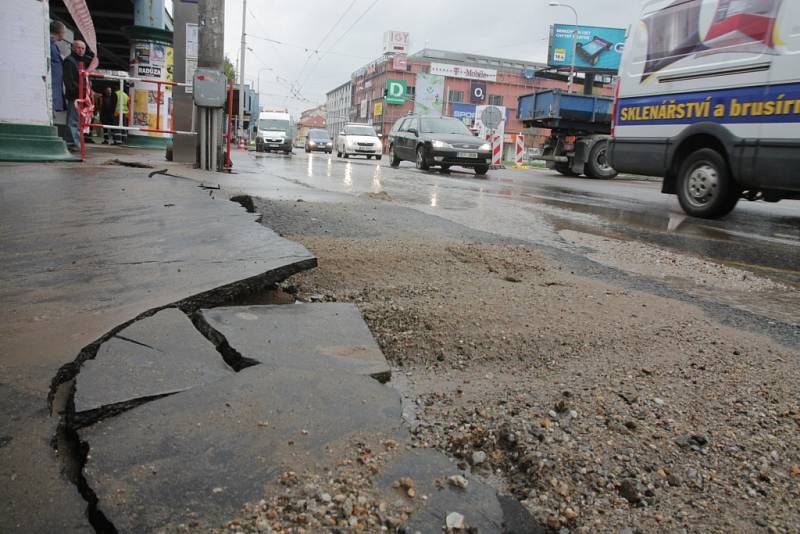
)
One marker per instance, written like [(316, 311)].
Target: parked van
[(709, 99), (275, 132)]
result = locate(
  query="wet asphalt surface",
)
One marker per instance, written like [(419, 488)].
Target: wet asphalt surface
[(532, 206)]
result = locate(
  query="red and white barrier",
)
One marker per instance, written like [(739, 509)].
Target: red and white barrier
[(497, 149), (519, 152)]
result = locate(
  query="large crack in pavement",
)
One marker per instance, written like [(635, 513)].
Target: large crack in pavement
[(71, 451)]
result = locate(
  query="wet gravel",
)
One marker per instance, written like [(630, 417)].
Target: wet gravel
[(602, 408)]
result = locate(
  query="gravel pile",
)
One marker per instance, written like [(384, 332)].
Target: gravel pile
[(601, 409), (343, 500)]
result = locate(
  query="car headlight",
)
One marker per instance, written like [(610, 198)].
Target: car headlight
[(311, 143), (440, 144), (485, 146), (379, 146)]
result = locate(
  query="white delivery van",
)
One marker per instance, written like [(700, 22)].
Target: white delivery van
[(709, 99), (275, 132)]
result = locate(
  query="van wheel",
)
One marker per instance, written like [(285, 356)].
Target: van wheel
[(705, 186), (598, 165), (395, 161)]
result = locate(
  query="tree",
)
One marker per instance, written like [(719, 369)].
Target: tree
[(230, 72)]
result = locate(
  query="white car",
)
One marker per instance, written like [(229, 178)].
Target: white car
[(359, 140)]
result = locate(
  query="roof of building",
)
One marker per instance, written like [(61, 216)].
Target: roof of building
[(475, 60), (345, 84)]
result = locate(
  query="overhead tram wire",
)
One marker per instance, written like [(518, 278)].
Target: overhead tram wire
[(315, 51), (347, 31)]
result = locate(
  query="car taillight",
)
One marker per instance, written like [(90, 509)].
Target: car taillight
[(614, 108)]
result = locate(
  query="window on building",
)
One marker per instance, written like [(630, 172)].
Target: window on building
[(495, 100), (455, 96), (411, 91)]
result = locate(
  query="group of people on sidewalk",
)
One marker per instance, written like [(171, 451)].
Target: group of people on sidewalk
[(64, 74)]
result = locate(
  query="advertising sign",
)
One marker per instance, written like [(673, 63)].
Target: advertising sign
[(466, 73), (377, 109), (400, 63), (396, 42), (396, 91), (598, 49), (477, 92), (464, 112), (153, 61), (430, 95), (364, 105)]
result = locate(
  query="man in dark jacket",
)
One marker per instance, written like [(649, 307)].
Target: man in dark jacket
[(71, 90), (57, 30)]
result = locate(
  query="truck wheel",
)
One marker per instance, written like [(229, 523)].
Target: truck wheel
[(565, 169), (705, 186), (422, 163), (394, 160), (598, 165)]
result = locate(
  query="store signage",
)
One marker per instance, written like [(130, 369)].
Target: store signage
[(400, 63), (396, 42), (396, 91), (477, 92), (467, 73), (377, 109)]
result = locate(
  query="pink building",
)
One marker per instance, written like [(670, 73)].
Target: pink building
[(501, 81)]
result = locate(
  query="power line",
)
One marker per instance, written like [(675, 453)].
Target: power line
[(347, 31)]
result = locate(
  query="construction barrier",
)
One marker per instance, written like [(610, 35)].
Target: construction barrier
[(519, 152), (497, 149), (85, 106)]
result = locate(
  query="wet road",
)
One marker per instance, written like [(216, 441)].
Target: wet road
[(536, 204)]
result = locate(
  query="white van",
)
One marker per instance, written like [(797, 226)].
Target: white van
[(709, 99), (275, 132)]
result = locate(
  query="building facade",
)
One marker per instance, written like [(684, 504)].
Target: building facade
[(310, 119), (337, 105), (497, 81)]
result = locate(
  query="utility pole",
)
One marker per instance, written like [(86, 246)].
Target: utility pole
[(241, 71), (211, 55)]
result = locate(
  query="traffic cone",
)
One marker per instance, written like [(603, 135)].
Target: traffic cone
[(242, 146)]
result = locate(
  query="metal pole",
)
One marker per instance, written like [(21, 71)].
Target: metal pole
[(574, 48), (241, 71), (211, 55)]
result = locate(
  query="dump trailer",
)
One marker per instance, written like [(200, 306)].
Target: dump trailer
[(580, 127)]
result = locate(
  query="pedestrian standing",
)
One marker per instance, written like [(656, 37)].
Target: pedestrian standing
[(121, 108), (57, 31), (71, 75), (108, 104)]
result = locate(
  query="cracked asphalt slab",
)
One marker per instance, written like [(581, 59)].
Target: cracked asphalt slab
[(86, 249)]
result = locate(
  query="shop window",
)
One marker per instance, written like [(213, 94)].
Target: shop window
[(495, 100), (455, 96)]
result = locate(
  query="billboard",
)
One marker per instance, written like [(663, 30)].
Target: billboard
[(429, 95), (396, 42), (598, 49)]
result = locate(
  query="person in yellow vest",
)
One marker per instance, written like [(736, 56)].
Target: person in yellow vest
[(121, 109)]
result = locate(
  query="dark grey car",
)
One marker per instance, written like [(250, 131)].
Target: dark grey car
[(438, 142)]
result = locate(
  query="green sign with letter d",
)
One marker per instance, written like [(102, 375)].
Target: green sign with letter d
[(395, 92)]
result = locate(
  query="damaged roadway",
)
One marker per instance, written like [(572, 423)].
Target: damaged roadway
[(169, 410), (86, 249)]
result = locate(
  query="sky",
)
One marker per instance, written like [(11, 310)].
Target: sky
[(320, 43)]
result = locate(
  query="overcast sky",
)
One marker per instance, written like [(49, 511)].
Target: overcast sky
[(515, 29)]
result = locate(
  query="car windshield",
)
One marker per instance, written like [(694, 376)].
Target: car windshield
[(318, 135), (359, 130), (274, 124), (443, 126)]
